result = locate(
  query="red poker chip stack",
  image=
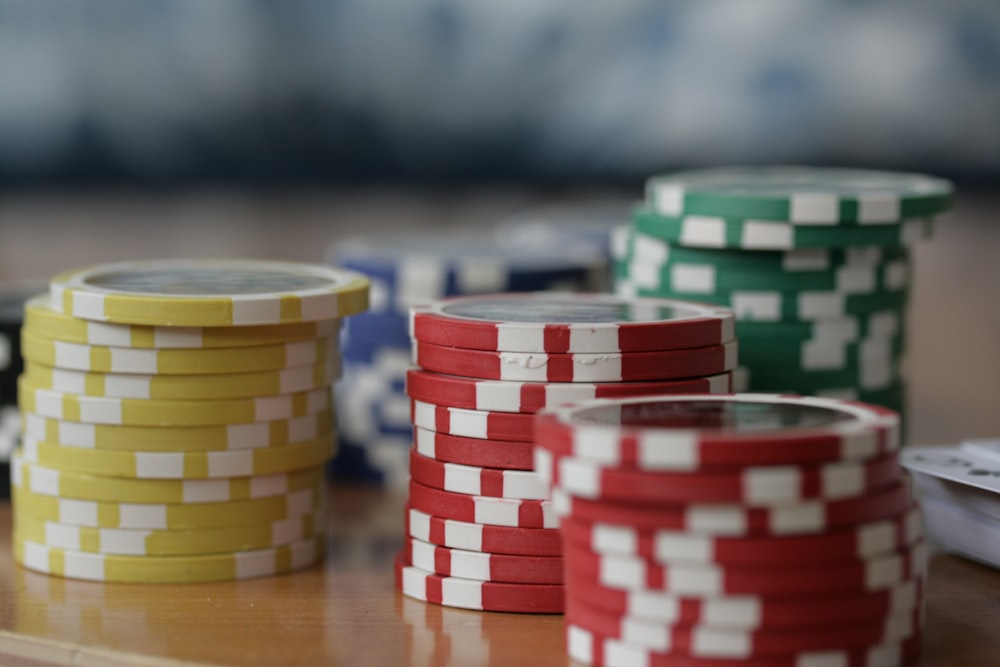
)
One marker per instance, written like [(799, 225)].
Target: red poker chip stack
[(734, 530), (482, 531)]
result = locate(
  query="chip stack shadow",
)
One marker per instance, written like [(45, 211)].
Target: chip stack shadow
[(177, 417), (481, 532)]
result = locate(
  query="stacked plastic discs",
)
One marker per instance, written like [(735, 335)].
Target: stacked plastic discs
[(481, 532), (177, 417), (747, 529), (814, 262), (375, 428), (12, 298)]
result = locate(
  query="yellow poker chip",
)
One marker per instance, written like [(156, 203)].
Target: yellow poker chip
[(168, 569), (100, 359), (178, 387), (81, 486), (166, 516), (181, 465), (209, 292), (272, 433), (147, 542), (141, 412), (41, 319)]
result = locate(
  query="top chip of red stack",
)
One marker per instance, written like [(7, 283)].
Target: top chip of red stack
[(567, 323), (696, 431)]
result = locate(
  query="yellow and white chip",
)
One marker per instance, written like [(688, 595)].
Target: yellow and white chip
[(209, 292)]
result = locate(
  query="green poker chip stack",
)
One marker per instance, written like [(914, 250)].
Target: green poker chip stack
[(815, 262)]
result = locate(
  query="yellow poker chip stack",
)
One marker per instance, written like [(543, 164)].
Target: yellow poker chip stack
[(177, 418)]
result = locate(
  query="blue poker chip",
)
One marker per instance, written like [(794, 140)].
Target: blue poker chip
[(373, 330), (588, 221), (410, 269)]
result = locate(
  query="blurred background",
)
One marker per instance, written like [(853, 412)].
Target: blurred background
[(273, 129)]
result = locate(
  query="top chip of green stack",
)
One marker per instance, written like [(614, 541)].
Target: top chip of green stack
[(800, 195)]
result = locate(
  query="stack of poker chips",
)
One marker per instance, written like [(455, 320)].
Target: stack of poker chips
[(177, 419), (734, 530), (815, 263), (481, 531), (12, 298), (374, 426)]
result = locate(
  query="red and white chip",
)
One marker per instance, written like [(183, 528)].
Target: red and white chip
[(754, 486), (473, 423), (570, 323), (747, 612), (586, 367), (810, 517), (511, 396), (474, 481), (483, 566), (420, 584), (483, 509), (631, 573), (673, 546), (694, 431), (482, 537), (491, 453)]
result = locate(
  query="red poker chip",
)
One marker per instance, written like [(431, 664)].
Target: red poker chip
[(483, 509), (570, 323), (708, 642), (483, 566), (475, 481), (473, 423), (481, 595), (628, 573), (752, 485), (696, 431), (671, 546), (484, 453), (482, 537), (530, 397), (609, 367), (809, 517), (592, 648)]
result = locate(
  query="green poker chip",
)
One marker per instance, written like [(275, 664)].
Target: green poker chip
[(808, 196), (884, 323), (701, 231), (771, 377), (818, 354)]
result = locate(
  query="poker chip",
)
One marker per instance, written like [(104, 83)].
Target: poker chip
[(190, 387), (475, 481), (420, 584), (48, 322), (473, 423), (754, 486), (482, 537), (150, 412), (593, 367), (209, 292), (163, 543), (808, 196), (13, 296), (593, 648), (530, 397), (174, 361), (482, 566), (484, 453), (248, 564), (178, 418), (168, 516), (515, 513), (569, 324), (708, 642), (672, 546), (746, 612), (687, 433), (178, 439)]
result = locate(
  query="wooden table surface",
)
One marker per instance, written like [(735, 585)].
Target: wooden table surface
[(347, 612)]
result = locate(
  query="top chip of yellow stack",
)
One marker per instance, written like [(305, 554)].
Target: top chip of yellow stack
[(209, 292)]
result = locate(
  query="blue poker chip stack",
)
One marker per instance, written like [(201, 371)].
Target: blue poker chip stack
[(374, 425)]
